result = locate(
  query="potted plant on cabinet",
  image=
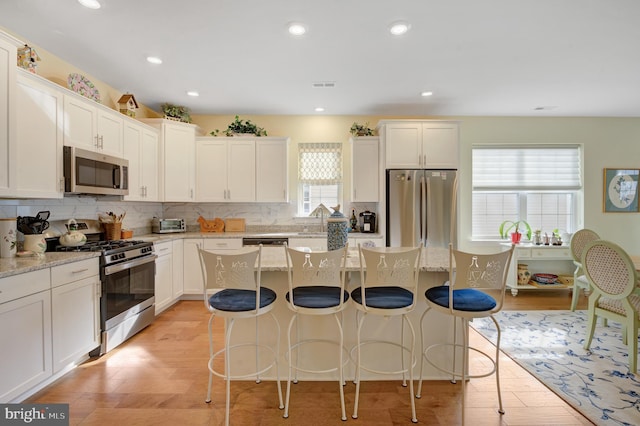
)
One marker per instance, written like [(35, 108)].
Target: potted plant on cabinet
[(240, 127), (361, 129), (176, 112), (509, 225)]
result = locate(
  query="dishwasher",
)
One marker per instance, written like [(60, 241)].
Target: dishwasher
[(272, 248)]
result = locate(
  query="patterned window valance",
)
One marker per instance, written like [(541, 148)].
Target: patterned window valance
[(320, 163)]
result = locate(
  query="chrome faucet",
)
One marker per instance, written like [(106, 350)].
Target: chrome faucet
[(320, 210)]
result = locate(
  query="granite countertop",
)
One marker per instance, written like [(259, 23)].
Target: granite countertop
[(183, 235), (20, 265)]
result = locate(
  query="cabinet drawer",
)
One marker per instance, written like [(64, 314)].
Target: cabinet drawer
[(162, 249), (551, 253), (74, 271), (24, 284), (222, 243)]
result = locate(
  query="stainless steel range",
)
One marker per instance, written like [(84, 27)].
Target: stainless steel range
[(127, 275)]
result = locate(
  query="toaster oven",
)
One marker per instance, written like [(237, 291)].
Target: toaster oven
[(165, 226)]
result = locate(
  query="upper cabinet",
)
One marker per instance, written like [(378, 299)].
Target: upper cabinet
[(91, 126), (225, 169), (272, 170), (420, 144), (177, 159), (365, 169), (141, 149), (39, 119), (8, 55)]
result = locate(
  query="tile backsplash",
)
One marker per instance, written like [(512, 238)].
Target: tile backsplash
[(260, 217)]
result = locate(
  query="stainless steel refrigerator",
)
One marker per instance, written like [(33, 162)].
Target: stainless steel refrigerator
[(421, 207)]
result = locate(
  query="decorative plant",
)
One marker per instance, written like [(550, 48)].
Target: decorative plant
[(176, 111), (509, 225), (361, 129), (241, 126)]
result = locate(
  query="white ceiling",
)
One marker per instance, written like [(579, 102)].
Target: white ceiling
[(490, 57)]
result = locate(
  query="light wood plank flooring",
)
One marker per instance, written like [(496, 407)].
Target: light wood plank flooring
[(159, 377)]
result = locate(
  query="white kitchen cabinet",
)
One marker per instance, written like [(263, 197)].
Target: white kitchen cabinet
[(365, 169), (39, 121), (25, 332), (164, 276), (420, 144), (177, 159), (8, 55), (178, 268), (75, 301), (272, 170), (225, 169), (317, 244), (539, 259), (362, 239), (141, 149), (91, 126)]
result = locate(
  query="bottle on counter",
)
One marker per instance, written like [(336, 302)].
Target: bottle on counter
[(353, 221)]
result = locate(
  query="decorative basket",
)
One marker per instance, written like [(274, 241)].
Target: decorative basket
[(112, 230)]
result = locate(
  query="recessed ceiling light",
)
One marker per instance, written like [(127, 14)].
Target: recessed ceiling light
[(193, 93), (154, 60), (425, 94), (297, 29), (319, 109), (91, 4), (399, 28)]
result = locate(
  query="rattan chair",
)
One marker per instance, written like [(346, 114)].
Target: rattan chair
[(476, 289), (316, 288), (578, 242), (232, 291), (615, 293), (388, 288)]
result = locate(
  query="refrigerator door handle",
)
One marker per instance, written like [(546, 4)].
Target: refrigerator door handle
[(423, 210)]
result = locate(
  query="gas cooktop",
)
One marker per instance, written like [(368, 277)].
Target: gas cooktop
[(106, 246)]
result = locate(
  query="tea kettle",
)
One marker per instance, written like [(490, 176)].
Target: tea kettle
[(73, 237)]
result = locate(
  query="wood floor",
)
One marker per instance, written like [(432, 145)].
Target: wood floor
[(159, 377)]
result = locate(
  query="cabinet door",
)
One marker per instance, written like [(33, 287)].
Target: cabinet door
[(149, 165), (39, 139), (178, 167), (76, 320), (440, 145), (211, 170), (272, 171), (79, 124), (132, 137), (241, 177), (109, 128), (25, 330), (365, 170), (8, 67), (312, 243), (403, 145), (178, 268), (192, 271), (164, 276)]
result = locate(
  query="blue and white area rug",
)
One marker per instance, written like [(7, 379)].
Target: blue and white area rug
[(548, 344)]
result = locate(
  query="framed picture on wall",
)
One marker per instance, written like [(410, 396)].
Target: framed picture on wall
[(620, 190)]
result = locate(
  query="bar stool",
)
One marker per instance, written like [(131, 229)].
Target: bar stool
[(388, 287), (232, 291), (316, 288), (470, 294)]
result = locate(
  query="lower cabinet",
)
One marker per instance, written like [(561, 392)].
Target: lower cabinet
[(25, 333), (366, 240), (75, 311), (193, 283), (164, 276), (178, 268), (316, 244)]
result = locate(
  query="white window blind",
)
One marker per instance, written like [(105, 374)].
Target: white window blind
[(320, 163), (526, 168)]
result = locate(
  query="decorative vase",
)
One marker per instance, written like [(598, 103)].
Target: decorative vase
[(337, 230), (8, 235), (523, 274), (35, 243)]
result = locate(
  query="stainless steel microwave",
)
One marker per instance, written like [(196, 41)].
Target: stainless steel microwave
[(88, 172)]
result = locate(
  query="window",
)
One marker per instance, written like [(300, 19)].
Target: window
[(319, 176), (539, 184)]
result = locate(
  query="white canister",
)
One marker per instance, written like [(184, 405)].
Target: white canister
[(8, 234), (35, 243)]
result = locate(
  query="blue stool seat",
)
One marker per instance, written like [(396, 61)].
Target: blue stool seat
[(241, 300), (466, 299), (317, 296), (384, 297)]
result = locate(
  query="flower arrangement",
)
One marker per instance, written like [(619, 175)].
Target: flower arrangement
[(239, 126), (361, 129), (181, 113)]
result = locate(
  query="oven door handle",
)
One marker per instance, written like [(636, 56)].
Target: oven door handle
[(130, 264)]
